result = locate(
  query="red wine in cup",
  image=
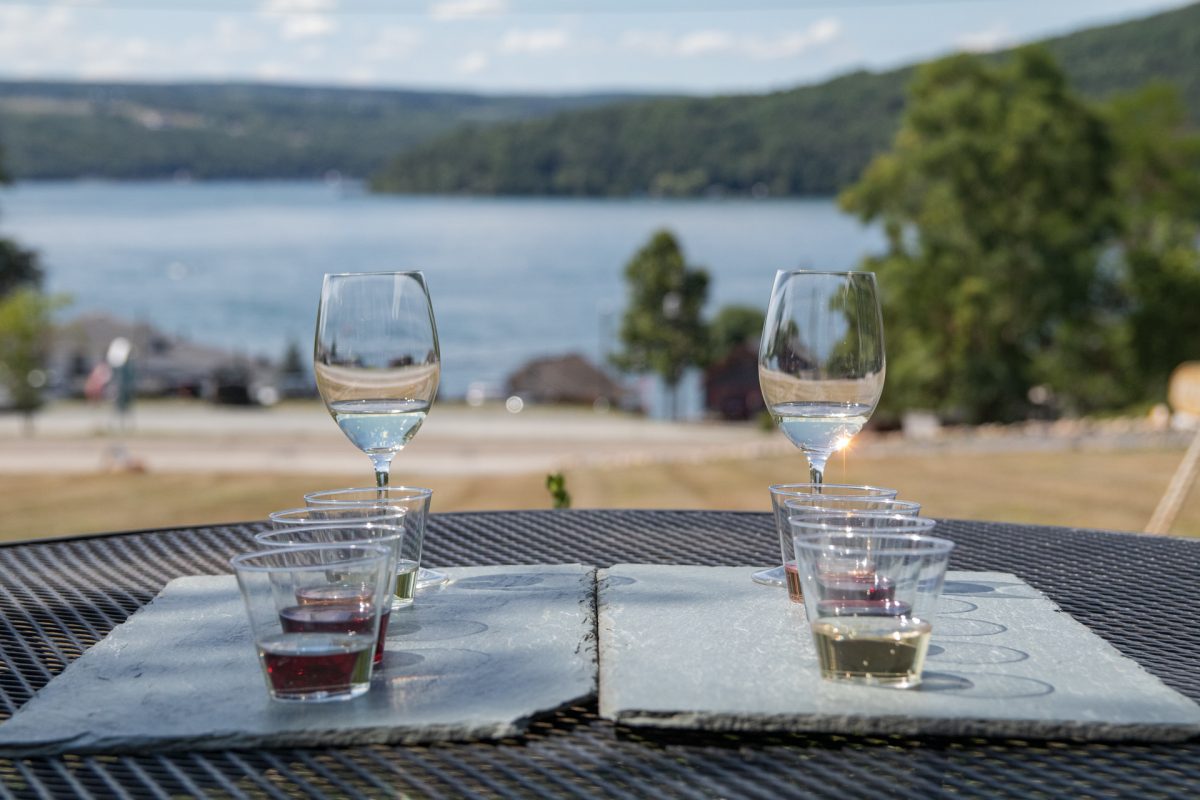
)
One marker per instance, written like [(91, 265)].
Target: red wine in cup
[(330, 618), (842, 586), (313, 664), (335, 609), (856, 586)]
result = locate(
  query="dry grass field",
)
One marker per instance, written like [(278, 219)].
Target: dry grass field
[(1112, 490)]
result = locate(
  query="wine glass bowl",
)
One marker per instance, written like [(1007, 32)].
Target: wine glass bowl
[(377, 363), (377, 360), (821, 362), (821, 365)]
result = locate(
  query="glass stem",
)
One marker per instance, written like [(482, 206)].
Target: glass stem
[(383, 465), (816, 467)]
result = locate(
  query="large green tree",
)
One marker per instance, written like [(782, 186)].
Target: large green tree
[(24, 325), (24, 338), (663, 330), (997, 201), (1157, 184), (18, 266), (735, 327)]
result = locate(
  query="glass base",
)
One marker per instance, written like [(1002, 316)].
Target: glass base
[(431, 577), (904, 681), (770, 577), (349, 693)]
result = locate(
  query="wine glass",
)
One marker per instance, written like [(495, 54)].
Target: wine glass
[(821, 364), (377, 363)]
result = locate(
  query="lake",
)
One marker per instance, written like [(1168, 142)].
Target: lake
[(239, 265)]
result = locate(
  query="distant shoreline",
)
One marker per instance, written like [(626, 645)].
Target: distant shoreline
[(358, 186)]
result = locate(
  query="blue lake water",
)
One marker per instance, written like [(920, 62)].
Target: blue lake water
[(239, 265)]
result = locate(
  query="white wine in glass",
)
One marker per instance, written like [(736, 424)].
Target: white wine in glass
[(377, 363), (821, 364)]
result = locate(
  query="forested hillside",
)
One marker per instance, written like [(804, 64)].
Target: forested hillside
[(72, 130), (810, 140)]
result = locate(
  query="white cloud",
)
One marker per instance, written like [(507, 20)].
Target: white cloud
[(307, 26), (541, 40), (298, 6), (714, 42), (135, 48), (41, 41), (445, 10), (361, 76), (313, 52), (227, 33), (700, 43), (472, 63), (104, 57), (302, 19), (652, 42), (392, 43), (994, 38), (271, 70), (20, 24), (792, 44)]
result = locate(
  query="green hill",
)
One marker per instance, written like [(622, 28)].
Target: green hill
[(72, 130), (810, 140)]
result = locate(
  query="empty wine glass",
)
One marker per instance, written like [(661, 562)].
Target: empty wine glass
[(821, 364), (377, 363)]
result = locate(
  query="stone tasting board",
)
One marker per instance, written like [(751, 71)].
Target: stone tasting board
[(476, 659), (706, 648)]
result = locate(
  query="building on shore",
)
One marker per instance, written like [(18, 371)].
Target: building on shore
[(164, 365), (569, 379), (731, 388)]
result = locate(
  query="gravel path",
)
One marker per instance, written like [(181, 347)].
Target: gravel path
[(301, 438)]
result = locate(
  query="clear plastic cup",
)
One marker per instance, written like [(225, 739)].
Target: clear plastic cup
[(870, 593), (412, 499), (315, 651)]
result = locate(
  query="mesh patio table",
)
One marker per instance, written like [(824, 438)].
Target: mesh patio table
[(60, 597)]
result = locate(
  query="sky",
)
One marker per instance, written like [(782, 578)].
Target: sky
[(538, 46)]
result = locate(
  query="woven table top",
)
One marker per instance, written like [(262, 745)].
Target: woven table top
[(1138, 592)]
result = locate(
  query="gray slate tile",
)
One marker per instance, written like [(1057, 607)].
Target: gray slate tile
[(474, 660), (706, 648)]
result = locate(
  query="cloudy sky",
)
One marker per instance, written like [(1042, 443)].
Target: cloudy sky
[(518, 45)]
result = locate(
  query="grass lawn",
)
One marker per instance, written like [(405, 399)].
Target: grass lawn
[(1117, 490)]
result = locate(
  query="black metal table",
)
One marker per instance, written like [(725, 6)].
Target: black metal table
[(1139, 592)]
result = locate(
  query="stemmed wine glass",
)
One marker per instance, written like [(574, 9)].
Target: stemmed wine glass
[(821, 364), (377, 363)]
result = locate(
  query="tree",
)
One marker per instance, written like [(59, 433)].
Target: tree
[(733, 327), (24, 338), (24, 326), (1157, 181), (662, 330), (18, 267), (996, 201)]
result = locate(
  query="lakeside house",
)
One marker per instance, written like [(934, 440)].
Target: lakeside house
[(568, 378), (731, 389), (164, 365)]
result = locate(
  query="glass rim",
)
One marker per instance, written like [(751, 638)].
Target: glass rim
[(417, 492), (828, 272), (906, 521), (271, 537), (370, 554), (814, 502), (782, 488), (392, 272), (394, 515), (929, 545)]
